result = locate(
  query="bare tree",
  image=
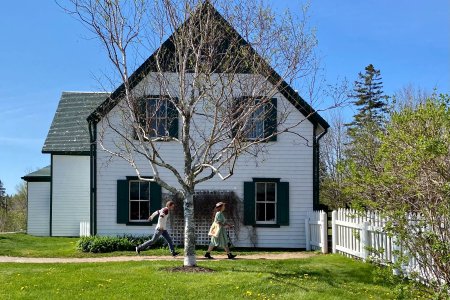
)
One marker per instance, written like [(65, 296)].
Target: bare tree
[(409, 96), (217, 84), (332, 149)]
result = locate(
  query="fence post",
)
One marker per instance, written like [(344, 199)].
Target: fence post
[(323, 232), (334, 238), (307, 234), (364, 240), (85, 228)]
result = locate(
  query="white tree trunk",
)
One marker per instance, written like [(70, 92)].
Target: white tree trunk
[(189, 231)]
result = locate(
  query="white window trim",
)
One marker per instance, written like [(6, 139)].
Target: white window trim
[(252, 134), (275, 202), (140, 200), (158, 119)]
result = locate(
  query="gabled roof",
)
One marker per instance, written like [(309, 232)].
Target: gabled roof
[(168, 47), (41, 175), (69, 132)]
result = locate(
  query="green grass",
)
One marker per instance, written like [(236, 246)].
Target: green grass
[(23, 245), (318, 277)]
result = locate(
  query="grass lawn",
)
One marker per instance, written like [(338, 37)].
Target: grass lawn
[(318, 277), (23, 245)]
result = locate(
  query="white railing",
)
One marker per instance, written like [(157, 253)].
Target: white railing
[(362, 235), (316, 231), (85, 228), (359, 234)]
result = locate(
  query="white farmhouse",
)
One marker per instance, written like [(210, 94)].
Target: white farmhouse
[(86, 185)]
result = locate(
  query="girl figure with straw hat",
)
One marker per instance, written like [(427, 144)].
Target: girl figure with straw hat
[(217, 232)]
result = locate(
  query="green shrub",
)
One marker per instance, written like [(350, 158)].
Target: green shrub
[(104, 244)]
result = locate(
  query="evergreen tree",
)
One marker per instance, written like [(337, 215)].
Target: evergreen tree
[(2, 189), (363, 131), (369, 100), (2, 196)]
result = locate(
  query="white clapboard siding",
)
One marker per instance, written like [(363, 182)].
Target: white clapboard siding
[(289, 158), (70, 188), (38, 220)]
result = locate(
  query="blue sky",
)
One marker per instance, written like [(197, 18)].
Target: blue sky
[(44, 52)]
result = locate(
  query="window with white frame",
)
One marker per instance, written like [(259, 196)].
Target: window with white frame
[(139, 201), (266, 202), (158, 116)]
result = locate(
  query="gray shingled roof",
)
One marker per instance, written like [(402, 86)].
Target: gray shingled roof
[(40, 175), (69, 132)]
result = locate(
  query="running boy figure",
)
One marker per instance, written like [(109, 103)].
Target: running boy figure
[(160, 229)]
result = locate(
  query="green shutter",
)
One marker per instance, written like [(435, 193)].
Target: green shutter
[(283, 203), (155, 197), (122, 201), (172, 115), (249, 203), (270, 122)]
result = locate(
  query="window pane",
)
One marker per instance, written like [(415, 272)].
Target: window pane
[(270, 191), (151, 109), (144, 210), (134, 190), (157, 117), (259, 122), (162, 109), (151, 128), (260, 192), (134, 210), (260, 212), (145, 190), (161, 129), (270, 212)]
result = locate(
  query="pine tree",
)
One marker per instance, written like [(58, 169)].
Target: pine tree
[(360, 152), (3, 198), (369, 100), (2, 189)]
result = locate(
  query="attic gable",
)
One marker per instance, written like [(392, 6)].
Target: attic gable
[(231, 51)]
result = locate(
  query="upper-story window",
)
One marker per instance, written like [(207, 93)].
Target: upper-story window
[(262, 123), (255, 125), (158, 116)]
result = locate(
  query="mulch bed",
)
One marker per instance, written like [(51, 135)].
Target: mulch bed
[(184, 269)]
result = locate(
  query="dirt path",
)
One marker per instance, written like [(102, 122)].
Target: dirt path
[(9, 259)]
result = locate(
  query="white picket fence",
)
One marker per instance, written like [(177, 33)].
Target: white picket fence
[(316, 231), (362, 235), (354, 234)]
